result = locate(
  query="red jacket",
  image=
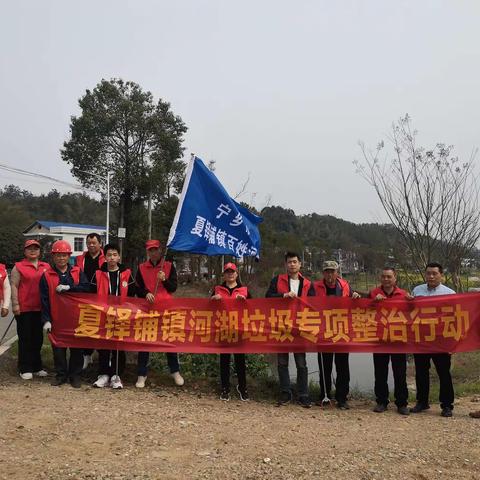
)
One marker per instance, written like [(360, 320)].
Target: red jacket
[(283, 284), (103, 282), (28, 288), (397, 292), (3, 275), (149, 274), (51, 276), (224, 292), (321, 289), (53, 280), (80, 260)]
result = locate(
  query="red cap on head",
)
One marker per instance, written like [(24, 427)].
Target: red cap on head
[(152, 244), (230, 266), (29, 243)]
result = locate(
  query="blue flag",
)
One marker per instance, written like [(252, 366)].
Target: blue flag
[(209, 221)]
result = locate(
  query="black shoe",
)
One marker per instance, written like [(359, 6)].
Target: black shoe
[(76, 382), (343, 406), (419, 407), (446, 412), (403, 410), (225, 395), (305, 402), (380, 408), (285, 398), (57, 381), (242, 392)]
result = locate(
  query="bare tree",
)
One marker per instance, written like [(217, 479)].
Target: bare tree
[(430, 197)]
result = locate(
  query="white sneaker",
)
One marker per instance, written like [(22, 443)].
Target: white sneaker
[(26, 376), (141, 381), (116, 382), (87, 360), (102, 381), (41, 373), (178, 379)]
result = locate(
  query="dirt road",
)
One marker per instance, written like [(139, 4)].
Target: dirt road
[(59, 432)]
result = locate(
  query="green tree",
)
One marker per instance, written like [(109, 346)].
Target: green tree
[(123, 131)]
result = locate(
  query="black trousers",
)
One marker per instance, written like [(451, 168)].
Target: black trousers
[(399, 367), (240, 368), (107, 362), (68, 369), (442, 362), (342, 384), (30, 340)]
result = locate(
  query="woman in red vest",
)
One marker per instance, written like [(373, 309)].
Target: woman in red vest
[(5, 291), (27, 307), (231, 288)]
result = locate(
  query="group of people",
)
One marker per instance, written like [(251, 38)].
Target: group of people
[(99, 269)]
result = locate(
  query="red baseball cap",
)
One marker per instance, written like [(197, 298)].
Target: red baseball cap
[(152, 244), (230, 266), (29, 243)]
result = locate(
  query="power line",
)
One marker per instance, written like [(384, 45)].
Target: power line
[(11, 169)]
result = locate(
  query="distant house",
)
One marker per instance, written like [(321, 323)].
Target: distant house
[(73, 233)]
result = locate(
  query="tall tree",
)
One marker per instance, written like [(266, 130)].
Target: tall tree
[(430, 196), (123, 131)]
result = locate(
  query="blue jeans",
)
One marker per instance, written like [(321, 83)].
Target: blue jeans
[(302, 373), (142, 363)]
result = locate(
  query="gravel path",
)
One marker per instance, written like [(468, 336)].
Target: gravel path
[(59, 432)]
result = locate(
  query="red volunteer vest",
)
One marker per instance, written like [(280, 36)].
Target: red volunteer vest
[(3, 275), (103, 283), (397, 292), (80, 260), (149, 275), (282, 284), (321, 291), (28, 288), (53, 280), (225, 293)]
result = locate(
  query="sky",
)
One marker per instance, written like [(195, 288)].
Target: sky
[(277, 91)]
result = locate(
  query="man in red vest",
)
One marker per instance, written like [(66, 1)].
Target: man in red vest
[(333, 285), (26, 307), (62, 278), (156, 280), (113, 278), (290, 285), (89, 262), (389, 289)]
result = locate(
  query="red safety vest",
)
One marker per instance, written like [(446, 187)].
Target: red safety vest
[(3, 275), (282, 284), (29, 285), (224, 292), (321, 290), (80, 260), (103, 282), (397, 292), (53, 280), (149, 274)]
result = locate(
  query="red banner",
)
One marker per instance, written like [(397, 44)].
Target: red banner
[(449, 323)]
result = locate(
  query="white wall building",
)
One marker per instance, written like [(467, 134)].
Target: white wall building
[(71, 232)]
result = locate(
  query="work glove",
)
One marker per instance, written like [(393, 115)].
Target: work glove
[(62, 288), (47, 326)]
